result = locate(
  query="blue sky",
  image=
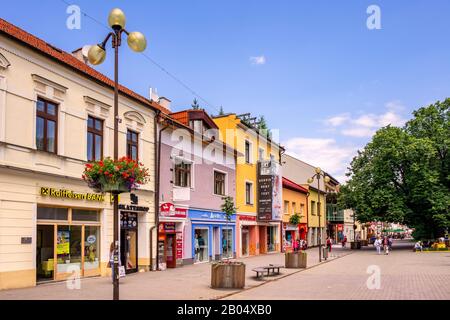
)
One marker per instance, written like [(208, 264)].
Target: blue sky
[(312, 68)]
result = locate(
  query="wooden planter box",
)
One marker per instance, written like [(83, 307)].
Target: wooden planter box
[(295, 259), (228, 275)]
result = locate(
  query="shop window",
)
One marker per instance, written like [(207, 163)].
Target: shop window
[(219, 183), (201, 245), (94, 139), (68, 248), (91, 247), (46, 125), (47, 213), (132, 145), (183, 175), (249, 193), (294, 207), (286, 207), (227, 243), (313, 207), (85, 215)]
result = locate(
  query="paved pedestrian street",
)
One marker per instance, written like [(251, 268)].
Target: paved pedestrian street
[(403, 275)]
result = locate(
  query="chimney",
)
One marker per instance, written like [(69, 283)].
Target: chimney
[(164, 102), (82, 54), (153, 95)]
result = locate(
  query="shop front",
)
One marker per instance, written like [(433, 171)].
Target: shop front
[(247, 236), (213, 238), (290, 234), (171, 235), (68, 234)]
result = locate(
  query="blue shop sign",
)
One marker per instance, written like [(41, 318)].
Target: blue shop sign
[(209, 215)]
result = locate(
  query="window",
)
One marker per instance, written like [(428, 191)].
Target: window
[(260, 154), (302, 208), (272, 157), (132, 145), (313, 207), (249, 193), (183, 174), (85, 215), (46, 125), (247, 151), (47, 213), (294, 207), (94, 139), (219, 183), (286, 207)]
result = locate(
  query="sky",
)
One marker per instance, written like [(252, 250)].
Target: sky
[(314, 69)]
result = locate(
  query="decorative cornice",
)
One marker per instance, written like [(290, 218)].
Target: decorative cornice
[(50, 83)]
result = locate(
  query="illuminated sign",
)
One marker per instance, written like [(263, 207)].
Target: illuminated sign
[(69, 194)]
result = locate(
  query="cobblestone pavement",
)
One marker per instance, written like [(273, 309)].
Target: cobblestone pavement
[(404, 275), (187, 282)]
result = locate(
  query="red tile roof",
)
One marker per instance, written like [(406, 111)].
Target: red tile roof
[(70, 61), (293, 186), (181, 116)]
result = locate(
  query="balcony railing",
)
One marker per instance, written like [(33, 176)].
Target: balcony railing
[(333, 214)]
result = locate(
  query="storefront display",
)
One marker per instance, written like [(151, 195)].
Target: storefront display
[(128, 241), (61, 248), (213, 237)]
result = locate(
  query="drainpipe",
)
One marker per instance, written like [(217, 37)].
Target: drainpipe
[(157, 183), (151, 248)]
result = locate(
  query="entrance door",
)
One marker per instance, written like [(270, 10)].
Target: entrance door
[(170, 254), (245, 241), (227, 243), (128, 249), (45, 249)]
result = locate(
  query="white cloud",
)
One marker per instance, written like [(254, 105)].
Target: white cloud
[(259, 60), (325, 153), (367, 124)]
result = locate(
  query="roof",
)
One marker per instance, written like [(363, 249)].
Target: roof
[(70, 61), (185, 116), (293, 186)]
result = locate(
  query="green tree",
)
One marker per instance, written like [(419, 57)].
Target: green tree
[(402, 174), (195, 104), (262, 127), (221, 112), (229, 209)]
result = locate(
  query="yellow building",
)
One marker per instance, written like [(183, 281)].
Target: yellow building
[(255, 237), (295, 201), (316, 212)]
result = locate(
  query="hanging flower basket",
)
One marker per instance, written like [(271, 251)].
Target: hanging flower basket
[(108, 175)]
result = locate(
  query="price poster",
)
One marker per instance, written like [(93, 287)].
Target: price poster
[(63, 242), (179, 246)]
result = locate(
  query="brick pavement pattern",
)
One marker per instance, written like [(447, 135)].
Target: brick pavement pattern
[(404, 275)]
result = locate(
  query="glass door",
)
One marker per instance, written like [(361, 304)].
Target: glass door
[(170, 251), (227, 243), (245, 242), (128, 243), (45, 253), (68, 251)]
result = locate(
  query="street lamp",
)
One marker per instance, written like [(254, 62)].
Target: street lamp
[(319, 173), (96, 55)]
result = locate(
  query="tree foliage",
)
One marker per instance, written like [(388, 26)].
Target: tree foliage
[(195, 105), (402, 175)]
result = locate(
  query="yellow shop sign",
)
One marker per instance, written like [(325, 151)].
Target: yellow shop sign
[(62, 193)]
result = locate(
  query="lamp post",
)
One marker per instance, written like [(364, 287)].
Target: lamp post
[(319, 173), (96, 55)]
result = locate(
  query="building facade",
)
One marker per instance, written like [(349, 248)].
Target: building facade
[(295, 201), (299, 172), (196, 174), (55, 115), (254, 236)]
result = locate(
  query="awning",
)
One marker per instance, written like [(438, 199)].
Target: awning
[(393, 230)]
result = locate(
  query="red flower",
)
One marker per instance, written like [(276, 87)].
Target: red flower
[(106, 173)]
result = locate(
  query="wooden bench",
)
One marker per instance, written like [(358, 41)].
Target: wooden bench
[(260, 271)]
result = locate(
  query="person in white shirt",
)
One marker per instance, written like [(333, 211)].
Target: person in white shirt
[(377, 245)]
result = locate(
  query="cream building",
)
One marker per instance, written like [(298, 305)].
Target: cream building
[(51, 223)]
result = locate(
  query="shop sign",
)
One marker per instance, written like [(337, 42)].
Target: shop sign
[(209, 215), (167, 227), (247, 218), (179, 246), (91, 239), (128, 220), (62, 193), (133, 208), (269, 191), (169, 210)]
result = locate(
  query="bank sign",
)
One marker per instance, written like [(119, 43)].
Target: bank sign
[(69, 194), (269, 191)]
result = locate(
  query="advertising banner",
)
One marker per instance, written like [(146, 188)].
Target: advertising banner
[(269, 191), (63, 242)]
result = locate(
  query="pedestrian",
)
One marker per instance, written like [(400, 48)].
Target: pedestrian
[(111, 259), (418, 246), (377, 245), (344, 241), (386, 245), (390, 240), (329, 244), (295, 245)]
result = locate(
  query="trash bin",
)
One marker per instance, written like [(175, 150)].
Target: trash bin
[(325, 252)]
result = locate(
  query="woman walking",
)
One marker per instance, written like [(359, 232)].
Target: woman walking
[(377, 245)]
